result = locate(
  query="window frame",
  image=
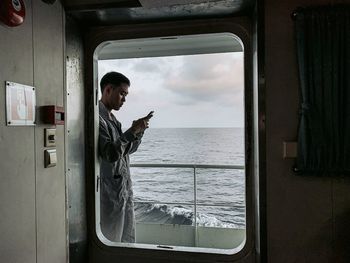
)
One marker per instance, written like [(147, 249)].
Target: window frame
[(95, 38)]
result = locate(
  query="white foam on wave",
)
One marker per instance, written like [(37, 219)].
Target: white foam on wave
[(180, 211), (179, 215), (211, 221)]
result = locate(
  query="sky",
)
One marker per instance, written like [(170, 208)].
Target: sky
[(183, 91)]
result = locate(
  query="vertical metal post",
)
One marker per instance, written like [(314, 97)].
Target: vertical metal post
[(195, 205)]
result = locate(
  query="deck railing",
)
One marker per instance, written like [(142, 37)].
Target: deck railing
[(194, 167)]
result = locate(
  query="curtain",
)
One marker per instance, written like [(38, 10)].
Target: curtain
[(323, 50)]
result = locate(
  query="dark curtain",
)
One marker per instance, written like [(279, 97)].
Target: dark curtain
[(323, 49)]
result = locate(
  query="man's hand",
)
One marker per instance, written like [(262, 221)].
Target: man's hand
[(142, 124)]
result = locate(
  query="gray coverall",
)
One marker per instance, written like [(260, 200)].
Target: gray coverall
[(117, 207)]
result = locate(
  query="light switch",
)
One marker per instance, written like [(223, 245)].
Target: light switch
[(50, 158), (50, 137), (290, 150)]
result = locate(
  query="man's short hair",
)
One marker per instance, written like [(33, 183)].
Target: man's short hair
[(114, 78)]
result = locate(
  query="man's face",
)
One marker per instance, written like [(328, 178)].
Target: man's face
[(116, 95)]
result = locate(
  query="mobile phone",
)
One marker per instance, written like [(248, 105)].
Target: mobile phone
[(150, 115)]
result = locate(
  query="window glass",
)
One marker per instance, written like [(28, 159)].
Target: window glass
[(188, 174)]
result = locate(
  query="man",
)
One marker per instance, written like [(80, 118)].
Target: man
[(117, 209)]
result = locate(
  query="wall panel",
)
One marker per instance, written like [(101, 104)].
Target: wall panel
[(76, 143), (306, 216), (32, 198), (17, 158), (48, 34)]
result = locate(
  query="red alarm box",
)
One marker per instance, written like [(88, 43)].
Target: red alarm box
[(12, 12), (52, 114)]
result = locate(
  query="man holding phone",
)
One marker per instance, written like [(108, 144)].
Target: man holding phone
[(114, 146)]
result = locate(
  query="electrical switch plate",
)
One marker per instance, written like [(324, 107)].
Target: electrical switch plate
[(50, 137), (290, 150), (50, 158)]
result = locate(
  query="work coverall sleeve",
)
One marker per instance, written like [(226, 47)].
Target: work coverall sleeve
[(135, 144), (110, 150)]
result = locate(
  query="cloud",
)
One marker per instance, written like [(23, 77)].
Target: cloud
[(214, 77), (147, 65)]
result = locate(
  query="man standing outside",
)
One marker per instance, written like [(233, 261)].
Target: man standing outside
[(117, 208)]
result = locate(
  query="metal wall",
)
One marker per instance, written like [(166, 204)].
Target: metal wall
[(17, 151), (75, 143), (32, 198)]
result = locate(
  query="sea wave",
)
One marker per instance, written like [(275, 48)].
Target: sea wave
[(177, 214)]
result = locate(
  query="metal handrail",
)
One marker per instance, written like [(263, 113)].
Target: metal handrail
[(194, 167), (184, 203), (177, 165)]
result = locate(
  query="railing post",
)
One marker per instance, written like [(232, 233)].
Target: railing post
[(195, 205)]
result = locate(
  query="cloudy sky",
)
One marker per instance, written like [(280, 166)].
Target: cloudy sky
[(184, 91)]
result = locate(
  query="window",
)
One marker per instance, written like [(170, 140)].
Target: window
[(188, 174)]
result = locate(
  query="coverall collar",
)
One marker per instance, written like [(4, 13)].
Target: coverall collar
[(104, 112)]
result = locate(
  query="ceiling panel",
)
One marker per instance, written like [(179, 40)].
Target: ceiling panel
[(109, 12)]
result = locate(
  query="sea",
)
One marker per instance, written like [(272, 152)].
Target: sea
[(166, 195)]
